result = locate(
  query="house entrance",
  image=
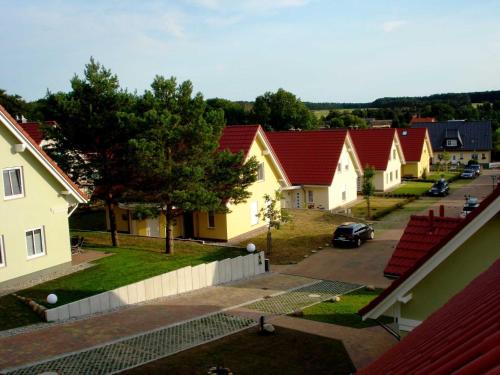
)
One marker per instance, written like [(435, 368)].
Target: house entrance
[(188, 225)]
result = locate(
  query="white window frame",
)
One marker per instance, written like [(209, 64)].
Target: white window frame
[(21, 178), (210, 213), (451, 143), (261, 172), (3, 263), (254, 216), (42, 235)]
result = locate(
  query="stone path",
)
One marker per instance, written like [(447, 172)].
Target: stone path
[(137, 350)]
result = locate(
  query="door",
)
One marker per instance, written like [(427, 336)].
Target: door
[(298, 200), (153, 227), (188, 225)]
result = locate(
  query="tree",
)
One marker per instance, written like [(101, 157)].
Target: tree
[(368, 189), (14, 104), (91, 141), (234, 113), (176, 164), (446, 158), (273, 216), (282, 111)]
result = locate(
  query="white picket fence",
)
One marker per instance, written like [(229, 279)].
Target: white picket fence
[(168, 284)]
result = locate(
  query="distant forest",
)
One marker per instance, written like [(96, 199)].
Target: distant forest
[(414, 101)]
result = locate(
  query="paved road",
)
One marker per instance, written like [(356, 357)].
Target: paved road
[(365, 265)]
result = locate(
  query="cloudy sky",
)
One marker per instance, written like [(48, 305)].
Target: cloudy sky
[(321, 50)]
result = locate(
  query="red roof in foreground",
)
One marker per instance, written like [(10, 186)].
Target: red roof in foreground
[(373, 146), (309, 157), (43, 153), (412, 141), (415, 119), (421, 234), (462, 337), (236, 138), (424, 258)]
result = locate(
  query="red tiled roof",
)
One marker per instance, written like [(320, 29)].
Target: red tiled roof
[(236, 138), (43, 154), (415, 119), (421, 261), (34, 131), (412, 142), (462, 337), (421, 234), (373, 146), (309, 157)]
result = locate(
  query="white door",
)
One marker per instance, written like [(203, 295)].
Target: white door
[(153, 227), (298, 199)]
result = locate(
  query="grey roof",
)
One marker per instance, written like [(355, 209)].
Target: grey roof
[(475, 135)]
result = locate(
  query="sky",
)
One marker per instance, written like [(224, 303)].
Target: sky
[(321, 50)]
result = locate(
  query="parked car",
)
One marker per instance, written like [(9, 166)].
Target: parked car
[(476, 168), (352, 234), (470, 204), (468, 173), (440, 188)]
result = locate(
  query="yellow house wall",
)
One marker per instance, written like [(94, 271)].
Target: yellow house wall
[(41, 206), (345, 180), (218, 232), (122, 220), (463, 157), (238, 220), (416, 169)]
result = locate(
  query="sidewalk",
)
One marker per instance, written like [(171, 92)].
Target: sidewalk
[(81, 334)]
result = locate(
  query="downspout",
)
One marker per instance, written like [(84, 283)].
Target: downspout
[(73, 210)]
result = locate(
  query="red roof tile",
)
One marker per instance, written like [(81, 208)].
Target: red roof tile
[(462, 337), (415, 119), (435, 248), (420, 236), (412, 142), (309, 157), (373, 146), (43, 154), (236, 138), (34, 130)]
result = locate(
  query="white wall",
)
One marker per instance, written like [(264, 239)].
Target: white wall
[(168, 284), (344, 180)]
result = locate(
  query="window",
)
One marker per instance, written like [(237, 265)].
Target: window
[(461, 156), (397, 174), (211, 219), (347, 167), (483, 156), (475, 156), (344, 193), (310, 196), (260, 172), (394, 154), (339, 167), (390, 176), (451, 142), (2, 252), (13, 183), (254, 213), (35, 243)]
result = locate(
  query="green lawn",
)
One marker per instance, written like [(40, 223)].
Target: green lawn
[(247, 353), (377, 204), (412, 188), (308, 230), (138, 259), (438, 175), (344, 312)]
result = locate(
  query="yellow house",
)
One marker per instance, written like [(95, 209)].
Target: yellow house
[(418, 151), (322, 166), (242, 220), (380, 149), (36, 199)]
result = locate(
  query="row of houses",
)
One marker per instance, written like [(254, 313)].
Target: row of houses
[(319, 169)]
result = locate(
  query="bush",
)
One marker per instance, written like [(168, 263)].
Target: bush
[(385, 211)]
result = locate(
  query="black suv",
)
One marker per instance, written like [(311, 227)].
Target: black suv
[(439, 188), (352, 234)]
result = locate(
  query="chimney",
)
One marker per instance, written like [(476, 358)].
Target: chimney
[(441, 211), (431, 219)]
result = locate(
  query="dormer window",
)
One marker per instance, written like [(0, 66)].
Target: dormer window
[(451, 142), (13, 183)]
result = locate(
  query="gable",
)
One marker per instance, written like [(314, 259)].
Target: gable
[(20, 137)]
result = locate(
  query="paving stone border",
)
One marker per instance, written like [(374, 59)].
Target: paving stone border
[(139, 349)]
